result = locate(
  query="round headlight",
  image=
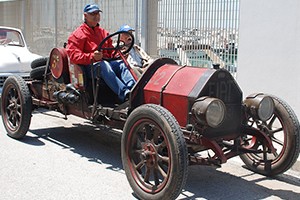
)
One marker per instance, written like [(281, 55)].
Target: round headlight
[(260, 106), (215, 113), (265, 108), (209, 111)]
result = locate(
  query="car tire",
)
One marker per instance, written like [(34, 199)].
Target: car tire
[(283, 130), (39, 62), (38, 73), (16, 106), (154, 153)]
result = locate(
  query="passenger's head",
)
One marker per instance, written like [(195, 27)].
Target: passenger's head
[(92, 14), (126, 37)]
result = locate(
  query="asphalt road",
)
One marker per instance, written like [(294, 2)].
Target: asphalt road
[(71, 159)]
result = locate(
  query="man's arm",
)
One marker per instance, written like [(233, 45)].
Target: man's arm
[(75, 51)]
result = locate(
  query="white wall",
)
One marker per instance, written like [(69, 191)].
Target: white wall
[(269, 49)]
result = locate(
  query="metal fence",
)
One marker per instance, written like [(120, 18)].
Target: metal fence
[(199, 32), (192, 32)]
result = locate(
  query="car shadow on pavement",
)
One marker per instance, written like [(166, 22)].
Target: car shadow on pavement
[(103, 145), (210, 183), (97, 144)]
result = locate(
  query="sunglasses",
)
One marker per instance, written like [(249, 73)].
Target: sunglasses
[(94, 13)]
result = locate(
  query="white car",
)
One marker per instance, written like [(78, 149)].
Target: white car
[(15, 58)]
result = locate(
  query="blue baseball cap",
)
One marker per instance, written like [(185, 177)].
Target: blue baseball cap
[(90, 8), (126, 28)]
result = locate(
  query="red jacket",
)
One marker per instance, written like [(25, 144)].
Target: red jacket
[(84, 41)]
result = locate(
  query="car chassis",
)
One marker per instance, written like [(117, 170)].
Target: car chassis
[(176, 116)]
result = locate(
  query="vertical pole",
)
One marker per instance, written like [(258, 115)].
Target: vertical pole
[(149, 26), (56, 25), (144, 25), (23, 23), (137, 22)]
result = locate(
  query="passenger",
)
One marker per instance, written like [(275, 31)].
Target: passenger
[(82, 48), (137, 58)]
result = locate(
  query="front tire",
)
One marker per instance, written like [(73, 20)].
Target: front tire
[(154, 153), (16, 107), (283, 130)]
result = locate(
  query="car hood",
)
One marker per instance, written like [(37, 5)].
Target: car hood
[(16, 59)]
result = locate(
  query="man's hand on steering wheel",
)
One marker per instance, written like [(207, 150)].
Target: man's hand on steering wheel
[(98, 55), (120, 47)]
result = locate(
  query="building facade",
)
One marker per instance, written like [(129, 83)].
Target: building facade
[(269, 49)]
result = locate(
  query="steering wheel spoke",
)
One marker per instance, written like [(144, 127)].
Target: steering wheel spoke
[(119, 46)]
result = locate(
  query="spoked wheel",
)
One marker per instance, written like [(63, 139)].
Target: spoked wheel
[(283, 131), (154, 153), (16, 107)]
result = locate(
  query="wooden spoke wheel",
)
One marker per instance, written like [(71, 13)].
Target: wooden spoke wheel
[(154, 153), (16, 107)]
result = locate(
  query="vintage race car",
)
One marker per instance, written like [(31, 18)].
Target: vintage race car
[(176, 116), (15, 58)]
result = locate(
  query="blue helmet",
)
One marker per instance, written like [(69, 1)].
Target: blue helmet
[(126, 27)]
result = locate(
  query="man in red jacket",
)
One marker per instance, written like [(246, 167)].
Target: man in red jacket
[(82, 49)]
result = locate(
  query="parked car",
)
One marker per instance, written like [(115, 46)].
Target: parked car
[(175, 116), (15, 57)]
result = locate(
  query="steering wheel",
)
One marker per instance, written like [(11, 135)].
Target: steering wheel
[(119, 46)]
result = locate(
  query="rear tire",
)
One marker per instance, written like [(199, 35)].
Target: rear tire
[(154, 153), (38, 73), (39, 62), (16, 107), (283, 130)]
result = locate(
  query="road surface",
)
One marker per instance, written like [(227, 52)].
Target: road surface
[(71, 159)]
